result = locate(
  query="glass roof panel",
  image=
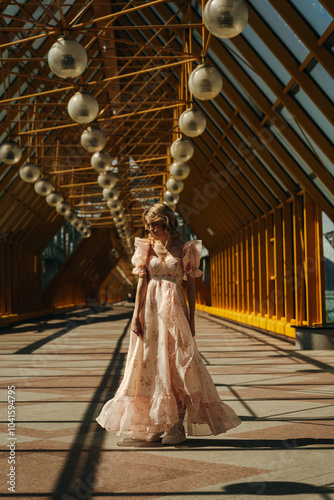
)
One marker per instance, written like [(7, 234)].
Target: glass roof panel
[(323, 79), (315, 113), (281, 28), (250, 71), (314, 13), (256, 153), (268, 57), (297, 158), (226, 74), (307, 139), (324, 190)]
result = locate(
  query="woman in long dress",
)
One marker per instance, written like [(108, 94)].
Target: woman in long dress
[(165, 376)]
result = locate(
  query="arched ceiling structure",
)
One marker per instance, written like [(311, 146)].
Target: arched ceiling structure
[(269, 133)]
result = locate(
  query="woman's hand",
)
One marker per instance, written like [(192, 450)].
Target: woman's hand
[(137, 327)]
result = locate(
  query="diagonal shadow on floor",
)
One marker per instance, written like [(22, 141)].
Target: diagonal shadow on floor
[(79, 466), (71, 325)]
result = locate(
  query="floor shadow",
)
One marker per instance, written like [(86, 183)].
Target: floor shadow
[(257, 443), (42, 323), (277, 488), (244, 444), (79, 468), (71, 324)]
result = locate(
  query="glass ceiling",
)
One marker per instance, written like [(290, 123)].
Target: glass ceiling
[(276, 98)]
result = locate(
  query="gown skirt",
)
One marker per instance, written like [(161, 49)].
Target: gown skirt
[(164, 370)]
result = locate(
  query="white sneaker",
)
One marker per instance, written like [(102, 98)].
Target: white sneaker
[(175, 435), (154, 438)]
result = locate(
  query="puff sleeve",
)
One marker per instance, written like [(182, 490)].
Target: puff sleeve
[(140, 256), (191, 256)]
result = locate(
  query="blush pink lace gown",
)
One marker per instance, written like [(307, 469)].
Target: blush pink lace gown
[(165, 365)]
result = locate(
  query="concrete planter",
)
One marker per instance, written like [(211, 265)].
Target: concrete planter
[(315, 337)]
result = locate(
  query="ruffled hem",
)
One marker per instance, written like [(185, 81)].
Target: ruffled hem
[(138, 416)]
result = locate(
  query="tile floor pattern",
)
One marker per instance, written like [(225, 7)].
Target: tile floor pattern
[(65, 367)]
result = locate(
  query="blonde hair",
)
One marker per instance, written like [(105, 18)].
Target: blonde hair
[(162, 214)]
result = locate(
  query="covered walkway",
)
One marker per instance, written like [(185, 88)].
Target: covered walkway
[(65, 367)]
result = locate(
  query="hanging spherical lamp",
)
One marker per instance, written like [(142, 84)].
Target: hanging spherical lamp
[(117, 213), (10, 152), (87, 233), (179, 170), (174, 186), (111, 194), (76, 221), (119, 220), (82, 226), (182, 149), (101, 161), (70, 216), (43, 187), (205, 82), (83, 107), (114, 205), (107, 180), (93, 139), (192, 122), (225, 18), (67, 58), (29, 172), (63, 208), (54, 198), (170, 198)]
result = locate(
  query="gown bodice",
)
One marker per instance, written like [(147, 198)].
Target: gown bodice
[(167, 268)]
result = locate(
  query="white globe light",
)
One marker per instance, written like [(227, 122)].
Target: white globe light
[(10, 152), (29, 172), (111, 194), (205, 82), (119, 220), (43, 187), (182, 149), (101, 161), (54, 198), (67, 58), (225, 18), (63, 208), (114, 205), (192, 122), (87, 233), (107, 179), (93, 139), (70, 216), (117, 213), (76, 221), (179, 170), (82, 226), (174, 186), (170, 198), (83, 107)]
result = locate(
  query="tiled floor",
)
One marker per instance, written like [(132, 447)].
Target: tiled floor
[(64, 368)]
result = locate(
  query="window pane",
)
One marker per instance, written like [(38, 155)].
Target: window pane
[(251, 73), (324, 80), (281, 28), (314, 13), (268, 57)]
